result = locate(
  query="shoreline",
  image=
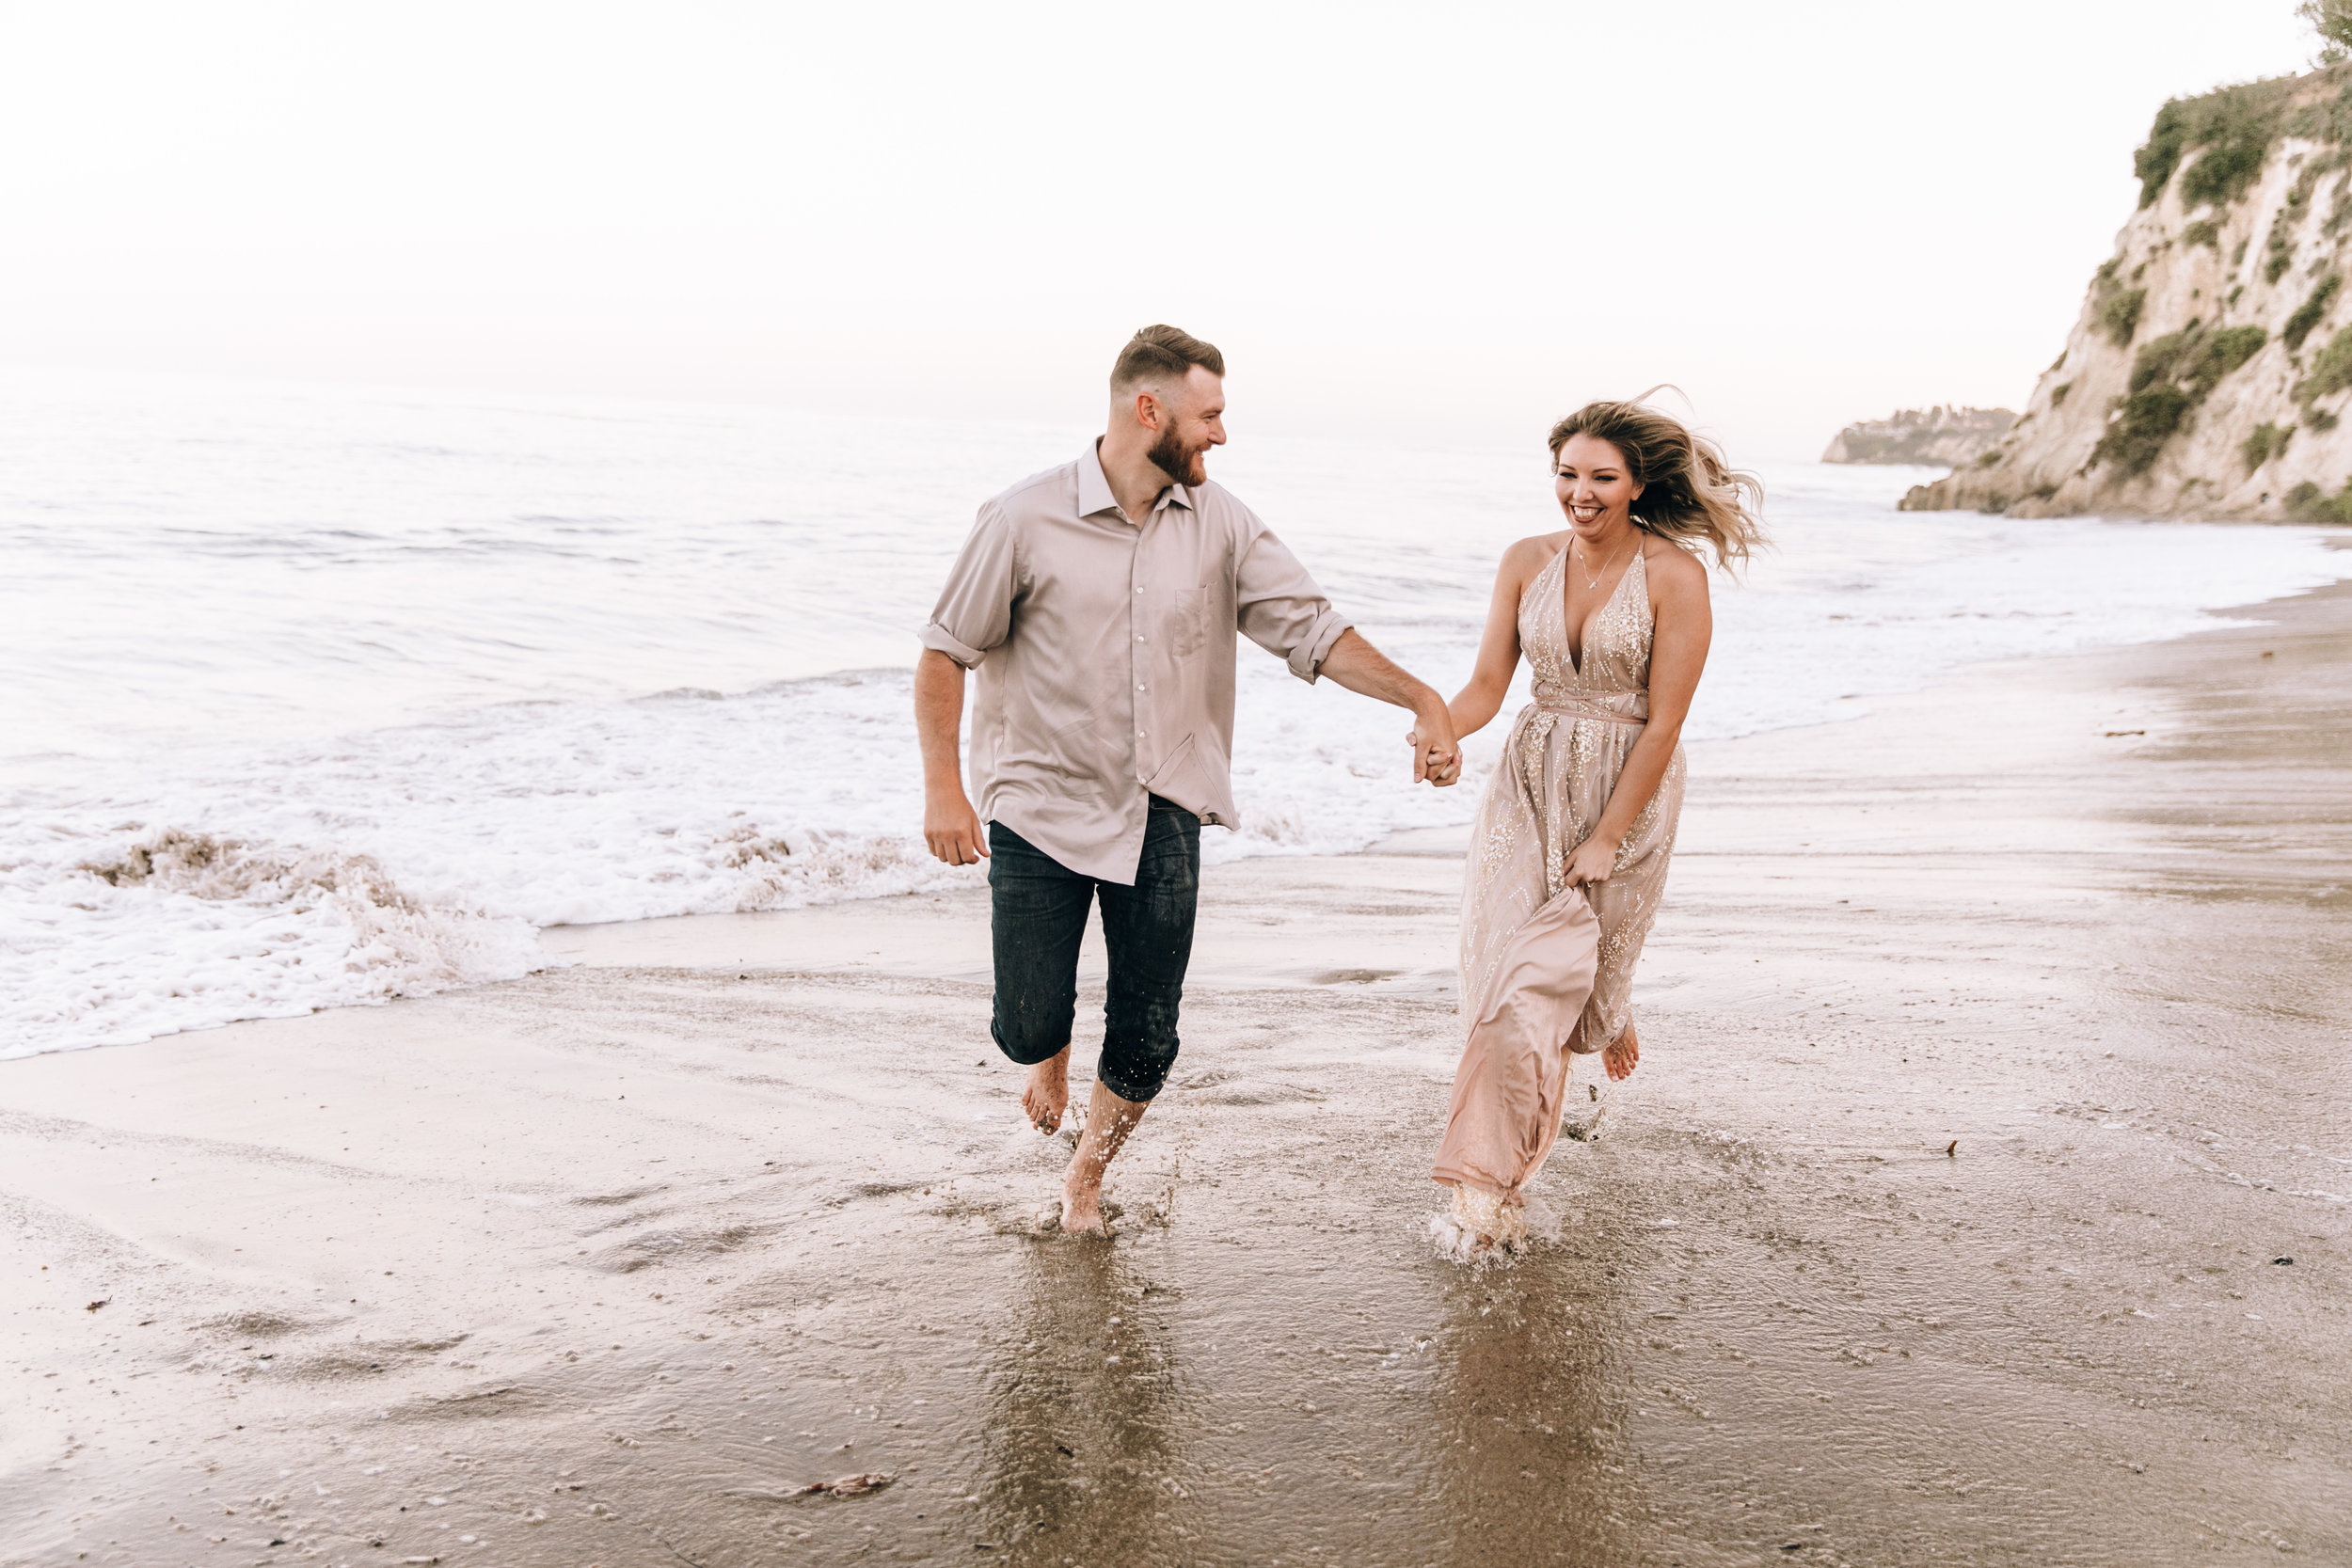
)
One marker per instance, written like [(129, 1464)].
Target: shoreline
[(742, 1203), (309, 872)]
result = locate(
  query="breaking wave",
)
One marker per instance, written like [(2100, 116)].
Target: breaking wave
[(223, 800), (183, 930), (165, 930)]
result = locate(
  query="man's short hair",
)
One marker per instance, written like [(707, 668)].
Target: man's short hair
[(1162, 356)]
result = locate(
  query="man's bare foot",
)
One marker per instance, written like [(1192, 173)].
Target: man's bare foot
[(1046, 1095), (1621, 1057), (1109, 1119), (1082, 1207)]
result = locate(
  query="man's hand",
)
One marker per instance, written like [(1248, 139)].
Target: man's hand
[(952, 829), (950, 826), (1437, 756), (1359, 666)]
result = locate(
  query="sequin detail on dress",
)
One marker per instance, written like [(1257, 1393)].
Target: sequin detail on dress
[(1526, 936)]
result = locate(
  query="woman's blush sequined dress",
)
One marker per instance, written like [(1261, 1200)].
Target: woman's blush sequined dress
[(1546, 968)]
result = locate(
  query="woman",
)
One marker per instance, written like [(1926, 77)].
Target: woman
[(1568, 853)]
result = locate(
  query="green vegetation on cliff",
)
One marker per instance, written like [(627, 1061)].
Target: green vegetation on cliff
[(2172, 376), (2119, 313), (2230, 132), (2307, 314), (2233, 129), (2267, 442), (2332, 20), (2308, 504), (2331, 370), (2215, 149), (2244, 235)]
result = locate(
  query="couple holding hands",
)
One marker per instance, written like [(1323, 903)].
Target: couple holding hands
[(1099, 601)]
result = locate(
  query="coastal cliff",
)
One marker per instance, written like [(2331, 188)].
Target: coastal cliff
[(2210, 368), (1951, 436)]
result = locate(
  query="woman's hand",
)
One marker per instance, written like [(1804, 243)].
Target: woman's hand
[(1594, 860), (1439, 764)]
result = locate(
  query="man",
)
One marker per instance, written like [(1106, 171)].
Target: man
[(1099, 601)]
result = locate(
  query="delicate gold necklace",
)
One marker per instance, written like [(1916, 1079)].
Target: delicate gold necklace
[(1594, 582)]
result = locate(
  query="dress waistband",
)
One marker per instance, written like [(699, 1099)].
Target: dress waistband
[(1590, 708)]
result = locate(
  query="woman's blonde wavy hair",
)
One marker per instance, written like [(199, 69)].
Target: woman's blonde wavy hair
[(1689, 490)]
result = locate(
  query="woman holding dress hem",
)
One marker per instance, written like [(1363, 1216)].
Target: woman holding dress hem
[(1569, 851)]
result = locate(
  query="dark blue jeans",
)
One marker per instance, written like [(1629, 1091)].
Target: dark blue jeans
[(1038, 916)]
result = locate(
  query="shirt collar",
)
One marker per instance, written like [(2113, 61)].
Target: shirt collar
[(1094, 490)]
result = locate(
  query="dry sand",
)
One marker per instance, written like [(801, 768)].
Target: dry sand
[(603, 1266)]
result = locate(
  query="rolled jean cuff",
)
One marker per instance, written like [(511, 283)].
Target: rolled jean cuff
[(1131, 1090), (1039, 916)]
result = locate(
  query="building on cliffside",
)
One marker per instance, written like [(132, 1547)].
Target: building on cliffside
[(1952, 437), (2212, 364)]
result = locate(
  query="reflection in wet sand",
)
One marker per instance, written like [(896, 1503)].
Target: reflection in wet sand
[(1522, 1411), (1084, 1439), (1980, 1198)]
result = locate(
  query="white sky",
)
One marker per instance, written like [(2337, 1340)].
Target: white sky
[(1422, 223)]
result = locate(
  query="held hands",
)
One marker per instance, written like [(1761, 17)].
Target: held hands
[(1437, 757), (952, 827)]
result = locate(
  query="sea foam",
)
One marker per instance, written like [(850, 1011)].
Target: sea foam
[(174, 930), (323, 697)]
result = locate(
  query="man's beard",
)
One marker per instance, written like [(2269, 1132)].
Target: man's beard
[(1168, 455)]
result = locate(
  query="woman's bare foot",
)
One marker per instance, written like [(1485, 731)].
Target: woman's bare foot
[(1621, 1057), (1494, 1220), (1046, 1095)]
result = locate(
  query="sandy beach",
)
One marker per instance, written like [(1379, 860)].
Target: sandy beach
[(1982, 1196)]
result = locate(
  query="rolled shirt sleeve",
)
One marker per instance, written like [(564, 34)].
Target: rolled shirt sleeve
[(1103, 652), (1278, 606), (975, 610)]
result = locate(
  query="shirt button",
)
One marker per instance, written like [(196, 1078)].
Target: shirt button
[(1138, 686), (1139, 590)]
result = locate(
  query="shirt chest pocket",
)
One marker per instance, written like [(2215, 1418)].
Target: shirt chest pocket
[(1183, 624)]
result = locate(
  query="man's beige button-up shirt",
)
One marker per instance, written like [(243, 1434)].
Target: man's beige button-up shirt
[(1105, 655)]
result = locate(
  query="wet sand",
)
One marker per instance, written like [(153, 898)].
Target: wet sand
[(1993, 1065)]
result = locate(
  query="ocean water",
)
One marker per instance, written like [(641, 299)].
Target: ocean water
[(317, 696)]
